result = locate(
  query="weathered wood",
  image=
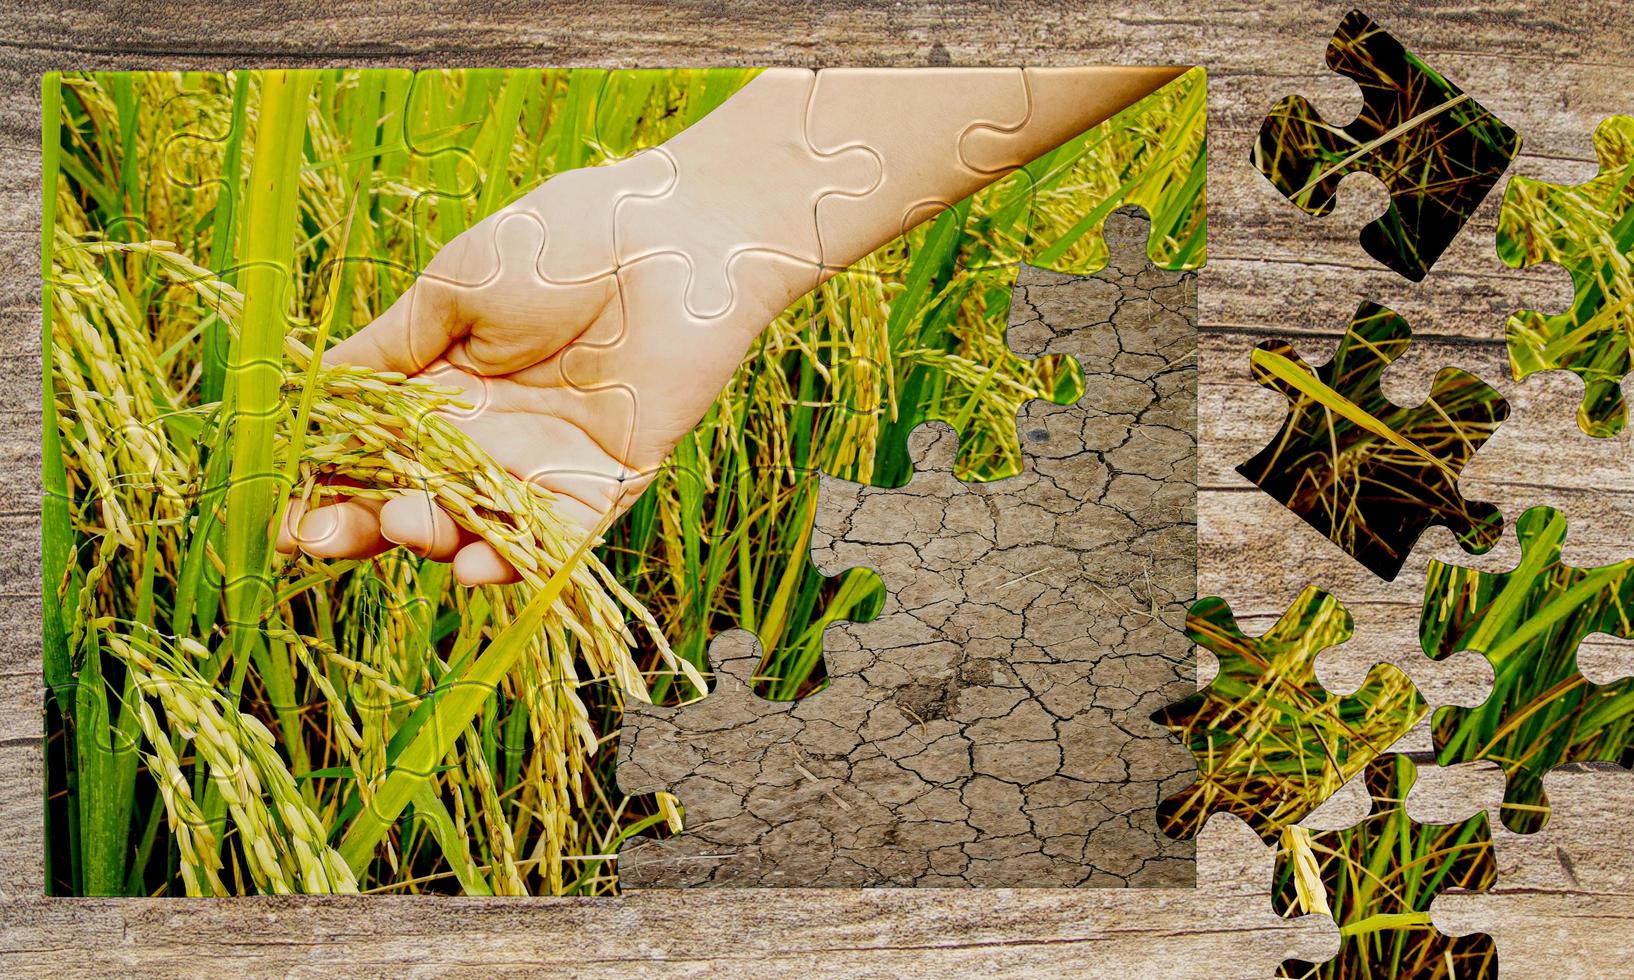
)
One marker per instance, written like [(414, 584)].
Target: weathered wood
[(1550, 70)]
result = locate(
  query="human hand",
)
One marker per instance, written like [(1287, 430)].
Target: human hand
[(584, 371)]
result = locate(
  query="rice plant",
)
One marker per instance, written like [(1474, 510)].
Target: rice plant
[(1542, 712), (224, 719), (1378, 879), (1271, 743), (1587, 229)]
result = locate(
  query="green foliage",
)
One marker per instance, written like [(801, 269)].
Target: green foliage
[(1367, 473), (1378, 879), (394, 712), (1588, 229), (1528, 623), (1271, 743)]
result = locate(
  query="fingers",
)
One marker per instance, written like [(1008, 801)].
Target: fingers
[(416, 522), (349, 529), (479, 564), (365, 528)]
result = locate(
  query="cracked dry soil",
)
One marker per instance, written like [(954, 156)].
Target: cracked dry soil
[(990, 728)]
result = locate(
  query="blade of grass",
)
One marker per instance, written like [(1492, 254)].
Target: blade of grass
[(224, 224), (268, 253), (429, 809), (56, 527)]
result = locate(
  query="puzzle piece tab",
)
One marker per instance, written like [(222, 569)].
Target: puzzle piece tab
[(1528, 623), (1378, 880), (1588, 229), (1271, 743), (1368, 474), (787, 184), (1437, 151)]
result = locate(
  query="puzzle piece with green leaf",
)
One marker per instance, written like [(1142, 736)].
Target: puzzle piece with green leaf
[(1378, 880), (1527, 623), (1587, 229), (1271, 743), (1369, 474)]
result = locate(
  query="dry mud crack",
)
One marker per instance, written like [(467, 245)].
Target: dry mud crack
[(990, 728)]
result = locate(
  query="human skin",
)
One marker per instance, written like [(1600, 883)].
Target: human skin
[(595, 320)]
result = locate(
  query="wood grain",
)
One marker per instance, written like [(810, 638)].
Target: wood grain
[(1562, 906)]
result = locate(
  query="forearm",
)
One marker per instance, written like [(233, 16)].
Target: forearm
[(827, 166), (943, 134)]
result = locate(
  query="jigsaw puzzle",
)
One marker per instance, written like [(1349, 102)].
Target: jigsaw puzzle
[(988, 729), (1368, 474), (603, 334), (1378, 880), (503, 482), (1527, 623), (1588, 229), (1271, 743), (1436, 150)]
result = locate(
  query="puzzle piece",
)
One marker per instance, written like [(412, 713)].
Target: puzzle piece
[(1271, 743), (785, 188), (638, 109), (1588, 229), (841, 116), (1368, 474), (679, 545), (1149, 153), (1437, 151), (445, 111), (926, 346), (1528, 623), (1378, 880)]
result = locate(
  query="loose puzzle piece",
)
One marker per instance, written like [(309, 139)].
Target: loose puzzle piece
[(1368, 474), (1528, 623), (1378, 880), (1588, 229), (1437, 151), (989, 728), (1271, 743)]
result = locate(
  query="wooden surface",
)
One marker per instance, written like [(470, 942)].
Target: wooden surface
[(1563, 903)]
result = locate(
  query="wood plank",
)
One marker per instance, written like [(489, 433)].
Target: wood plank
[(1550, 70)]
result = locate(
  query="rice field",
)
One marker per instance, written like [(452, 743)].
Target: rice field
[(223, 719)]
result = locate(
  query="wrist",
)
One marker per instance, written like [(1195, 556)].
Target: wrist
[(744, 188)]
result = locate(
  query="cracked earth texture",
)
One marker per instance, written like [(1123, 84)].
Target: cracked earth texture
[(990, 728)]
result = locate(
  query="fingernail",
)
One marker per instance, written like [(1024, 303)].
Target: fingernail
[(317, 527)]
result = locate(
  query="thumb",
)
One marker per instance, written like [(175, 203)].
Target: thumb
[(415, 331)]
